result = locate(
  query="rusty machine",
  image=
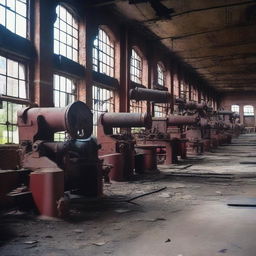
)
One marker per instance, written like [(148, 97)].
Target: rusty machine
[(227, 124), (199, 135), (56, 167), (118, 148), (167, 132)]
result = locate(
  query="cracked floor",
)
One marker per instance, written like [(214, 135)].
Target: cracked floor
[(189, 217)]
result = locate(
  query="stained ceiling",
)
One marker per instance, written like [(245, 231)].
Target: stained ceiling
[(216, 37)]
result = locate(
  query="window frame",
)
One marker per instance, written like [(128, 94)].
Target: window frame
[(73, 27), (235, 106), (161, 72), (138, 58), (249, 113), (109, 54), (15, 13), (110, 102)]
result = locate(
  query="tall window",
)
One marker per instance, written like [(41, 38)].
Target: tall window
[(235, 108), (66, 34), (136, 68), (160, 75), (13, 83), (248, 110), (175, 86), (136, 106), (103, 101), (103, 56), (14, 16), (160, 110), (64, 93)]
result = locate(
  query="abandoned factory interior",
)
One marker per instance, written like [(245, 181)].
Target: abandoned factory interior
[(127, 127)]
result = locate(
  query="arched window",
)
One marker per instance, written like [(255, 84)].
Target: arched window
[(136, 67), (235, 108), (14, 16), (103, 56), (248, 110), (160, 75), (66, 34)]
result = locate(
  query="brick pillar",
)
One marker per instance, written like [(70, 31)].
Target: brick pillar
[(44, 17), (82, 59), (91, 33), (124, 101)]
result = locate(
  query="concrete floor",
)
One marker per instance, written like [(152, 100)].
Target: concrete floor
[(188, 218)]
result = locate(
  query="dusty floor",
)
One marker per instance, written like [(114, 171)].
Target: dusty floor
[(190, 217)]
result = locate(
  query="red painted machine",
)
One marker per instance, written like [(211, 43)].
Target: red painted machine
[(168, 134), (118, 150), (56, 167)]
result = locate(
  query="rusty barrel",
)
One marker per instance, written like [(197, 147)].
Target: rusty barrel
[(76, 119), (156, 96), (47, 187), (126, 120), (116, 161)]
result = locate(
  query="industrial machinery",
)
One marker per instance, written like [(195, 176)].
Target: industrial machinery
[(198, 136), (56, 167), (227, 120), (117, 149), (167, 133)]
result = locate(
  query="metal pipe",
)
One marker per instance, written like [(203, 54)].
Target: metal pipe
[(126, 120), (156, 96), (76, 119)]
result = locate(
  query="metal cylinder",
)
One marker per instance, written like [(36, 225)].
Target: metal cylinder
[(76, 119), (180, 101), (126, 120), (156, 96), (182, 120)]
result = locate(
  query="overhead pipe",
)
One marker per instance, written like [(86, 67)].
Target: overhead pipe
[(155, 96)]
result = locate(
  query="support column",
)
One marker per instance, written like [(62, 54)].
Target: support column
[(124, 101), (43, 41)]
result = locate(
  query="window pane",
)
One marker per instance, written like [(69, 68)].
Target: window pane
[(10, 21), (21, 26), (12, 68), (2, 84), (2, 65), (12, 87), (21, 8), (22, 90), (2, 15)]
